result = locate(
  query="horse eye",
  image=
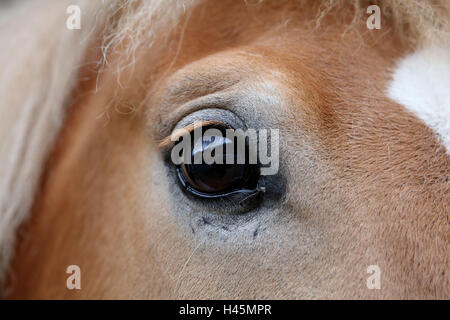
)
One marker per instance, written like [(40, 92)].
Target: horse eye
[(221, 177)]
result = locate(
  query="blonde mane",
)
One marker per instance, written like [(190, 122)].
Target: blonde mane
[(41, 58)]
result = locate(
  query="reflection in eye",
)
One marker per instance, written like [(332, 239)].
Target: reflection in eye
[(217, 178)]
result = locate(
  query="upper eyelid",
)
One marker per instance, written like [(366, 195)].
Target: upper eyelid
[(177, 133), (220, 113), (228, 99)]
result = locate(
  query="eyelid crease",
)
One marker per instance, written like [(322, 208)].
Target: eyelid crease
[(175, 135)]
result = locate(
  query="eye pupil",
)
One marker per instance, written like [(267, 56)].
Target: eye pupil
[(213, 178), (216, 178)]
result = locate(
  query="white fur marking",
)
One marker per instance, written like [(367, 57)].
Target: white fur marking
[(421, 83)]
